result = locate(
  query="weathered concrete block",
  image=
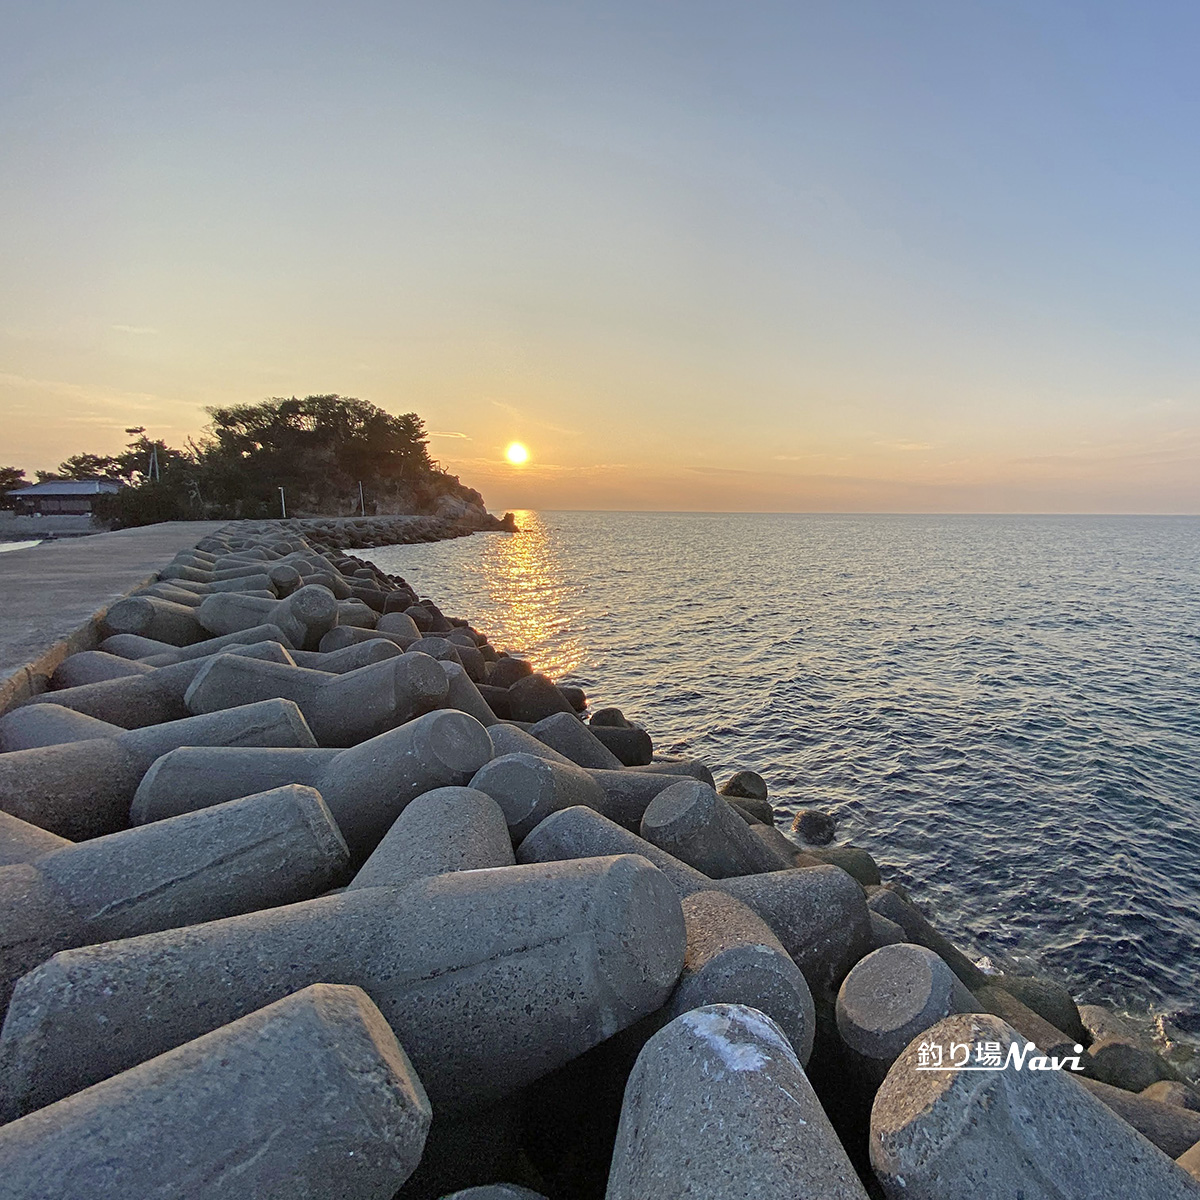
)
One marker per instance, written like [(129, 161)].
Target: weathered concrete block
[(310, 1097), (511, 739), (94, 666), (366, 787), (690, 821), (447, 829), (150, 617), (819, 913), (1172, 1129), (131, 646), (574, 740), (1000, 1003), (83, 789), (496, 1191), (734, 958), (718, 1106), (533, 697), (338, 662), (994, 1135), (506, 670), (631, 746), (891, 996), (1050, 1000), (21, 842), (355, 613), (1165, 1091), (528, 789), (305, 616), (745, 785), (630, 792), (274, 848), (341, 710), (342, 636), (489, 978), (464, 695), (890, 904), (398, 623), (37, 725), (136, 701), (1126, 1064)]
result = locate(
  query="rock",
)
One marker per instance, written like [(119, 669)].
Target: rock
[(745, 785), (490, 978), (996, 1135), (281, 1103), (890, 997), (534, 697), (1127, 1065), (447, 829), (528, 789), (818, 914), (690, 821), (814, 826), (1049, 1000), (573, 739), (257, 852), (718, 1106), (341, 710), (83, 789), (505, 671), (734, 958), (631, 746), (1165, 1091), (610, 718), (366, 786)]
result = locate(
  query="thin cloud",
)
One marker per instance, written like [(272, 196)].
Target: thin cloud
[(906, 445), (450, 434), (138, 329)]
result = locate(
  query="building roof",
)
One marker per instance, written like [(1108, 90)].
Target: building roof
[(68, 487)]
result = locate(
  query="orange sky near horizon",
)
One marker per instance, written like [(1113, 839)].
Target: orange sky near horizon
[(819, 258)]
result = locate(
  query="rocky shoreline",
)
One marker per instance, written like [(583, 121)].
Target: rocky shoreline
[(310, 891)]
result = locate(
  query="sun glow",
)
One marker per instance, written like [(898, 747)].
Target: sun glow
[(516, 454)]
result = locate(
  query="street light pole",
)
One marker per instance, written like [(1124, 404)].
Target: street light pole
[(282, 504), (362, 504)]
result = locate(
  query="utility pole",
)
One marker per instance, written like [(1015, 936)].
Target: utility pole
[(282, 504), (362, 504)]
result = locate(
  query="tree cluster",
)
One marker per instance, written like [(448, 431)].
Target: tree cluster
[(319, 450)]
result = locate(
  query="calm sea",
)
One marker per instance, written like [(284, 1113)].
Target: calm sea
[(1004, 710)]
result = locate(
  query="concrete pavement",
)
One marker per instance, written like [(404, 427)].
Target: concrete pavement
[(52, 595)]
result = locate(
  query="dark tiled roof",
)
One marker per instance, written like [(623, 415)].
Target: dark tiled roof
[(69, 487)]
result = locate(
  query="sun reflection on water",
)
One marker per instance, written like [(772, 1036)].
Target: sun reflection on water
[(533, 601)]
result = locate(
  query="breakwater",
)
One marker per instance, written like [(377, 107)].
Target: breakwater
[(312, 891)]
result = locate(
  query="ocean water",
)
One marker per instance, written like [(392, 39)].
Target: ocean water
[(1004, 710)]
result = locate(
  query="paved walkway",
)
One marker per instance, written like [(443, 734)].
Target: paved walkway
[(51, 593)]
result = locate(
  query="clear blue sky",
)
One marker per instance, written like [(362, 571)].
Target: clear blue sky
[(844, 255)]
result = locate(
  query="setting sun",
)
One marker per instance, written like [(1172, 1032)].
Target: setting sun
[(516, 454)]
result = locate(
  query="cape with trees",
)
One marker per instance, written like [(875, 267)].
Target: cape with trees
[(332, 455)]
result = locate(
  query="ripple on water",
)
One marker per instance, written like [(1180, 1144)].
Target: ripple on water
[(1003, 710)]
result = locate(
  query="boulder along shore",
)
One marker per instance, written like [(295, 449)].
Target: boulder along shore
[(307, 890)]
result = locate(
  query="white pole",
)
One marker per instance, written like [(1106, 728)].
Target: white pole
[(282, 504), (362, 504)]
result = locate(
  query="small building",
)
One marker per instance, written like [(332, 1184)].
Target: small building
[(61, 496)]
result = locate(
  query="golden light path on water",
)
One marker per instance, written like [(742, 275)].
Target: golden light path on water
[(515, 587), (531, 597)]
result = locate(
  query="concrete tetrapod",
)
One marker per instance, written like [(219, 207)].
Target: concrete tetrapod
[(83, 789), (152, 617), (309, 1098), (717, 1106), (690, 821), (274, 848), (341, 710), (366, 787), (447, 829), (891, 996), (94, 666), (131, 646), (464, 695), (734, 958), (35, 725), (528, 789), (818, 913), (133, 702), (21, 842), (489, 978), (305, 616), (996, 1134), (567, 734)]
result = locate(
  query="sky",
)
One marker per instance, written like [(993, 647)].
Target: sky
[(856, 255)]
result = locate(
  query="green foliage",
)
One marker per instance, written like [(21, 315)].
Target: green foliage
[(318, 449), (11, 478)]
